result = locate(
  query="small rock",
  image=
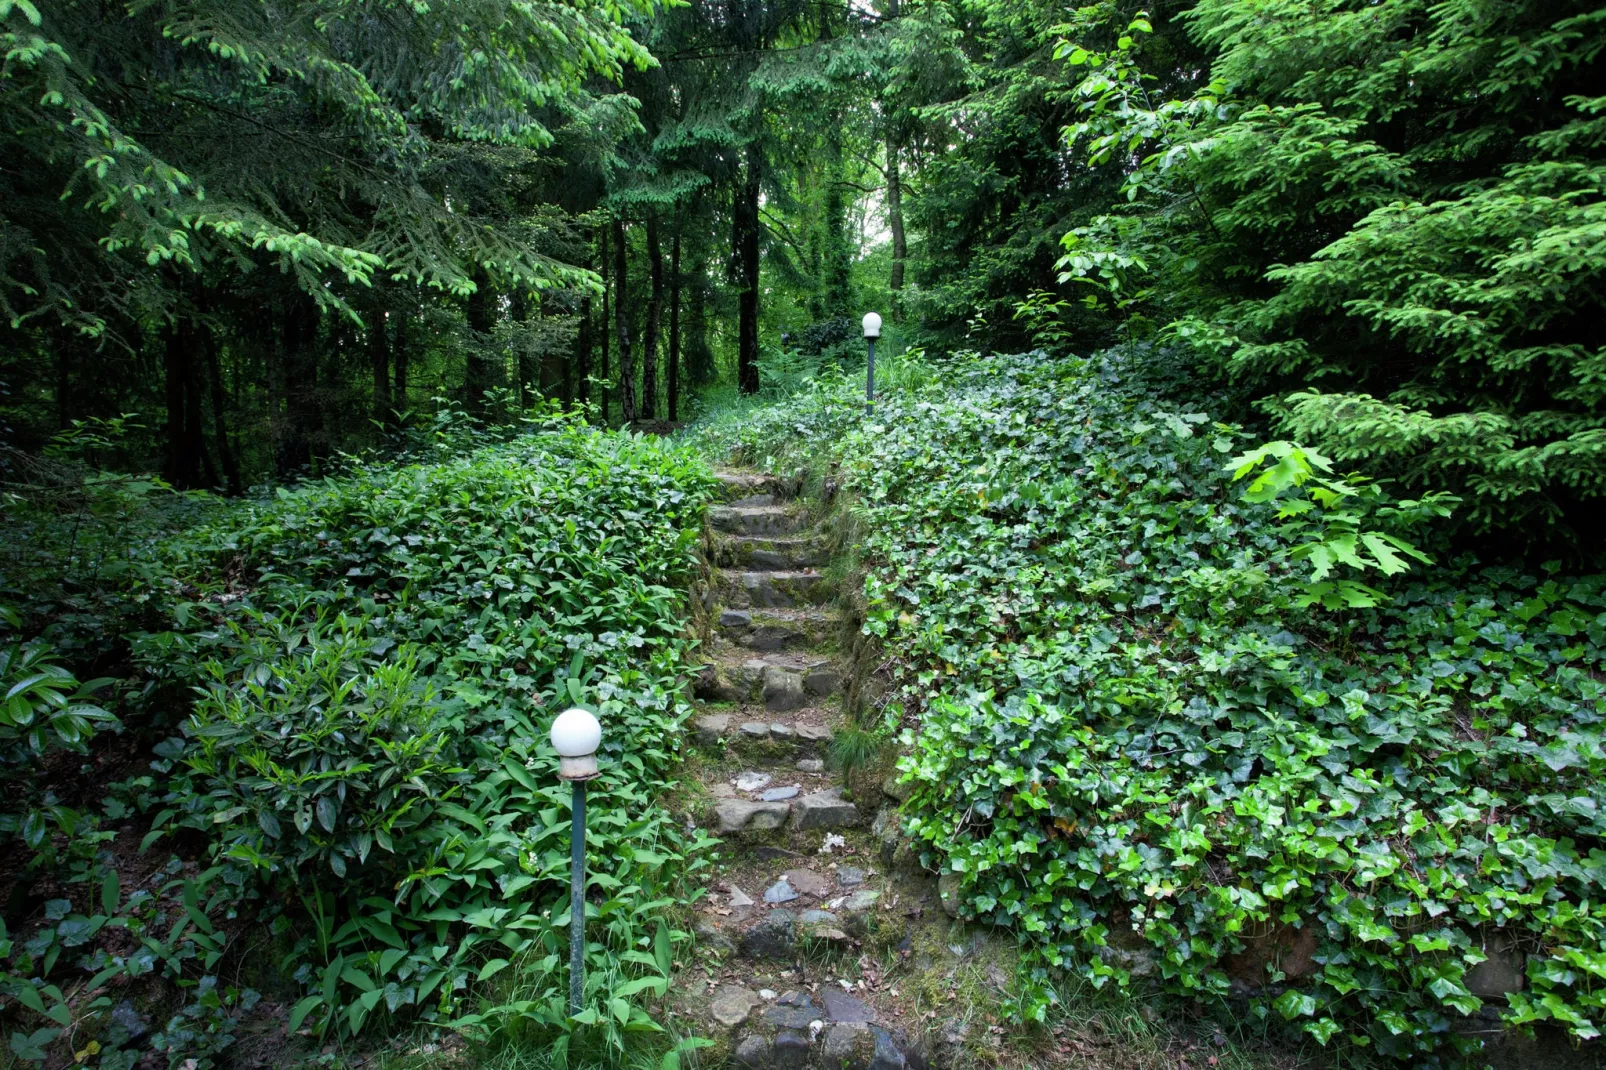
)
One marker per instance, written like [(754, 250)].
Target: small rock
[(766, 993), (791, 1051), (772, 937), (711, 936), (735, 618), (783, 690), (739, 898), (888, 1055), (778, 794), (892, 789), (813, 733), (738, 815), (830, 935), (948, 892), (860, 901), (781, 731), (128, 1023), (824, 809), (753, 1053), (710, 727), (752, 781), (810, 765), (780, 892), (822, 682), (756, 729), (807, 882), (848, 1046), (795, 1015), (841, 1007), (850, 876), (731, 1005), (816, 917)]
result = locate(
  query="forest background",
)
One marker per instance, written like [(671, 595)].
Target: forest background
[(356, 279)]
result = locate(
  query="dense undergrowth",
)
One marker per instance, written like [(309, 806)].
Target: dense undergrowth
[(1135, 734), (345, 688)]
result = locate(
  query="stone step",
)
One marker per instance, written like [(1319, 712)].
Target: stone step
[(736, 484), (782, 682), (770, 552), (778, 589), (779, 629), (769, 519), (817, 810), (709, 728)]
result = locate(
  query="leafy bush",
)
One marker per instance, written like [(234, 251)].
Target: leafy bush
[(1132, 738)]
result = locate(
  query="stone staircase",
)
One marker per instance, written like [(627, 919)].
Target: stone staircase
[(781, 939)]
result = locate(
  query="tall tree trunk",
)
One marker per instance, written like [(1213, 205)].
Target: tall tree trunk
[(900, 250), (527, 366), (582, 353), (187, 465), (478, 368), (607, 287), (379, 364), (398, 395), (220, 431), (621, 313), (746, 226), (838, 259), (655, 314), (674, 327), (303, 418)]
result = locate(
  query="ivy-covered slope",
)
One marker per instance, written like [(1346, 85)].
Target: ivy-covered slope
[(1127, 739), (355, 679)]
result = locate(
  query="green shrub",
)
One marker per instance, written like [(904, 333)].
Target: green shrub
[(316, 760), (1127, 715)]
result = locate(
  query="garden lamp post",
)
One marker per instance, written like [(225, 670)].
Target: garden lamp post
[(575, 736), (872, 331)]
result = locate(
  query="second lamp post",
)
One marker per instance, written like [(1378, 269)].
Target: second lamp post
[(576, 735), (872, 331)]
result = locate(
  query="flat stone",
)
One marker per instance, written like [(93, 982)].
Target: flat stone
[(1499, 975), (823, 810), (772, 937), (841, 1007), (731, 1005), (813, 733), (807, 882), (817, 917), (710, 727), (783, 690), (756, 729), (830, 935), (739, 898), (791, 1050), (766, 993), (892, 789), (777, 794), (781, 731), (735, 618), (710, 935), (796, 1015), (753, 1053), (850, 876), (888, 1055), (752, 781), (770, 638), (822, 682), (848, 1046), (861, 900), (810, 765), (780, 892), (737, 815)]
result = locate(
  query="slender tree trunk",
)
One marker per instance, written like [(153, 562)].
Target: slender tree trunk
[(187, 465), (582, 353), (900, 250), (655, 314), (621, 312), (746, 223), (220, 432), (398, 395), (838, 257), (379, 364), (303, 418), (607, 287), (477, 370), (673, 370)]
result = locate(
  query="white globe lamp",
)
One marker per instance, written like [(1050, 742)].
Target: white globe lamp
[(576, 734), (872, 325)]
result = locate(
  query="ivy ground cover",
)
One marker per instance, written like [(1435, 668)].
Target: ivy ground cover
[(1128, 740), (348, 686)]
